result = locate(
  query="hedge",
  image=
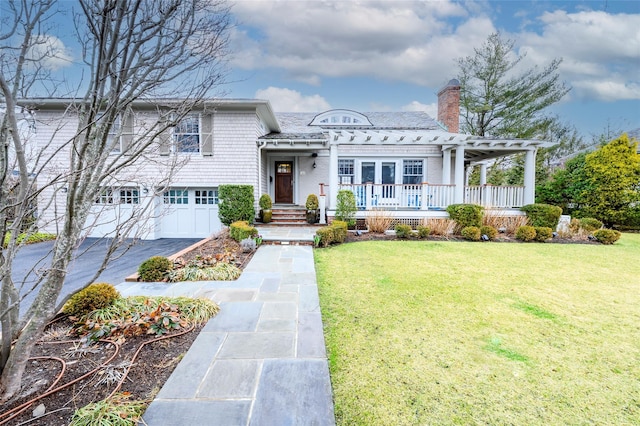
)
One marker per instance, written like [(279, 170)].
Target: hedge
[(236, 203)]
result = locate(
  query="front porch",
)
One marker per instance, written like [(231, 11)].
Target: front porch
[(433, 196)]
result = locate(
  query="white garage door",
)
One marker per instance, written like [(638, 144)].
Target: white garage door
[(189, 213), (113, 207)]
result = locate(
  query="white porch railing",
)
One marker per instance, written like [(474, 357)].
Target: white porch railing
[(438, 197)]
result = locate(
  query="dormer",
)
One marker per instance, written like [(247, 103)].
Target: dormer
[(340, 117)]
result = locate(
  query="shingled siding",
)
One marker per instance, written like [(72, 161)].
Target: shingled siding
[(234, 159)]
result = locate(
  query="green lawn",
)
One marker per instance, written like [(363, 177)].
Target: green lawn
[(444, 333)]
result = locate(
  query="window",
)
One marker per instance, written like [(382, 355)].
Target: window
[(114, 138), (340, 117), (186, 135), (129, 196), (206, 196), (345, 171), (176, 196), (284, 168), (412, 172), (105, 197)]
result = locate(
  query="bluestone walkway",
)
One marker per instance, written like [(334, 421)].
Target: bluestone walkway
[(262, 359)]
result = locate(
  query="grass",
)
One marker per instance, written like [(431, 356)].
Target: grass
[(447, 333), (36, 237)]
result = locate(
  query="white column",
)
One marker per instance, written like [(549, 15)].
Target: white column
[(446, 167), (483, 174), (333, 176), (530, 177), (458, 194)]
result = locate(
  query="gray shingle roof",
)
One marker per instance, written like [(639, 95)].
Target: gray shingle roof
[(295, 125)]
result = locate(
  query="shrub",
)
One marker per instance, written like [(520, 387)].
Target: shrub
[(312, 202), (466, 215), (489, 231), (423, 231), (241, 229), (220, 272), (574, 225), (503, 222), (590, 224), (154, 269), (326, 236), (403, 231), (265, 202), (543, 233), (339, 231), (236, 203), (346, 207), (471, 233), (441, 227), (526, 233), (95, 296), (607, 236), (543, 214), (378, 221)]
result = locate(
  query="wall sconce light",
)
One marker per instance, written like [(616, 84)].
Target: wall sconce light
[(64, 190), (314, 164), (145, 190)]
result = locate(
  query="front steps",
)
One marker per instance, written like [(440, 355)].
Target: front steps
[(288, 215)]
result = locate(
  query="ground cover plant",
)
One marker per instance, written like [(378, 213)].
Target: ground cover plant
[(439, 332)]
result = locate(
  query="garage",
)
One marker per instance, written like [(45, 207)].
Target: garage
[(189, 213)]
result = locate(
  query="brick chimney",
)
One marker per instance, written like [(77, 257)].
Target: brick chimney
[(449, 106)]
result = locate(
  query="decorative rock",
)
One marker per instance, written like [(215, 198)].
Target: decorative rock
[(39, 411)]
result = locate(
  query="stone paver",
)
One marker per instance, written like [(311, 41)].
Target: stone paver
[(262, 359)]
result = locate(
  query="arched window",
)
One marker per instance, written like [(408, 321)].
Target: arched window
[(340, 117)]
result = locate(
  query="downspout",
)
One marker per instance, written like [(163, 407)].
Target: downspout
[(262, 145)]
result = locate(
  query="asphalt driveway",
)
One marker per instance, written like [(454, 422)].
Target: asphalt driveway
[(88, 259)]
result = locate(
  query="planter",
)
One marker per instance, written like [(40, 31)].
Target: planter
[(312, 216), (265, 216)]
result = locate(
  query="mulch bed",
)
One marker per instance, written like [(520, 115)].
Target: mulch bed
[(150, 370)]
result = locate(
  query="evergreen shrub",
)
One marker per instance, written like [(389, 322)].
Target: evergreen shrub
[(87, 300), (241, 229), (526, 233), (154, 269), (466, 215), (236, 203), (543, 233), (607, 236), (471, 233), (543, 214)]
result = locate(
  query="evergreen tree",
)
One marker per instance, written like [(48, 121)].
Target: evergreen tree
[(496, 102), (613, 175)]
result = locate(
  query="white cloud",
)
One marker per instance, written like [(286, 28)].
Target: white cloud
[(287, 100), (431, 109), (407, 41), (50, 52), (417, 42), (600, 51)]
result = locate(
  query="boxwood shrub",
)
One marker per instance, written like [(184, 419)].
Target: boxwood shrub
[(334, 233), (423, 231), (154, 269), (543, 233), (489, 231), (471, 233), (526, 233), (87, 300), (607, 236), (542, 214), (466, 215), (236, 203), (241, 229), (403, 231)]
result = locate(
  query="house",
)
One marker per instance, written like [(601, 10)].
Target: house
[(406, 162)]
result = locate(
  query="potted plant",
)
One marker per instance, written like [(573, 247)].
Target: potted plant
[(265, 208), (312, 208)]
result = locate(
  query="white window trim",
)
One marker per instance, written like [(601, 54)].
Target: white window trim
[(174, 134)]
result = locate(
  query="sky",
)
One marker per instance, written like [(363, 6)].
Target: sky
[(396, 55), (392, 55)]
